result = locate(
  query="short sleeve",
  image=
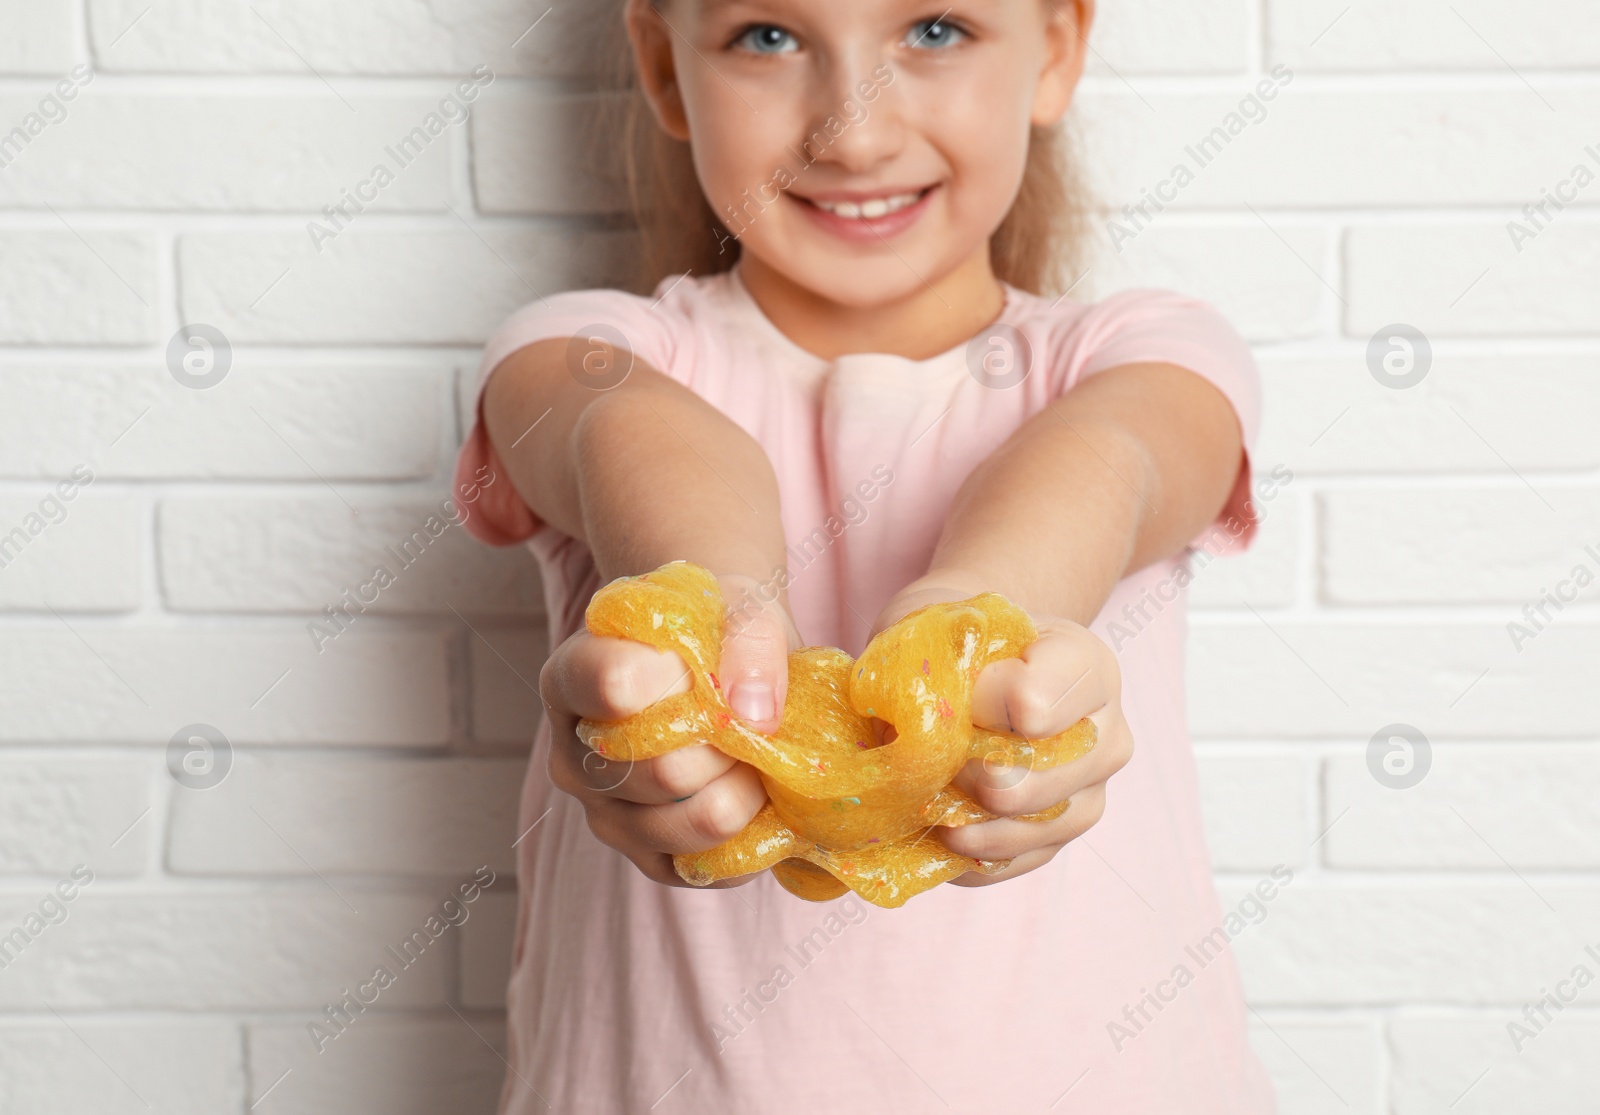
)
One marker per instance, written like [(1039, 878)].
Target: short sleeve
[(1161, 327), (495, 512)]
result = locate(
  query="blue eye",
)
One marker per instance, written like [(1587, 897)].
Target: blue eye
[(768, 39), (934, 33)]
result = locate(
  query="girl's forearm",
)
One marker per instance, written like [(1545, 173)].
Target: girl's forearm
[(1046, 522), (1119, 473), (663, 476), (644, 473)]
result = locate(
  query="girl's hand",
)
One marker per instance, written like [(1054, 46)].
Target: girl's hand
[(688, 800), (1066, 675)]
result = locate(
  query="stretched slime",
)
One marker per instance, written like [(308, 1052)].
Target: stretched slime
[(844, 811)]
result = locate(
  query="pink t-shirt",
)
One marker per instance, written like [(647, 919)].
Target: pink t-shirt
[(1098, 983)]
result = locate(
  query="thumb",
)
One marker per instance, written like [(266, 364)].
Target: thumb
[(754, 670)]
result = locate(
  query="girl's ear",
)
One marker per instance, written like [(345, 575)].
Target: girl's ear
[(658, 71), (1066, 41)]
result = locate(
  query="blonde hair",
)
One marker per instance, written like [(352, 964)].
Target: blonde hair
[(1040, 247)]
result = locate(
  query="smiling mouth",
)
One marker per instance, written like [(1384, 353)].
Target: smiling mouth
[(873, 209)]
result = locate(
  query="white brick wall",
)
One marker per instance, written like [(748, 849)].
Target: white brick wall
[(229, 153), (370, 776), (40, 36), (68, 287)]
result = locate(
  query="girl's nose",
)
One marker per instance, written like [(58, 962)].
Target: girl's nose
[(856, 123)]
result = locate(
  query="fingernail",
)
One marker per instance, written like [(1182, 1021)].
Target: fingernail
[(1004, 778), (752, 701)]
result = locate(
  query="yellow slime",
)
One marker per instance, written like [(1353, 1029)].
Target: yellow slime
[(845, 812)]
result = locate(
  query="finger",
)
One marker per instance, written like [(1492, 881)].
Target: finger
[(1008, 838), (577, 769), (1030, 861), (659, 867), (754, 668), (655, 866), (1057, 681), (601, 678), (1009, 791), (711, 817)]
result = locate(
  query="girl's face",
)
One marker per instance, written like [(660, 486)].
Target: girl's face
[(862, 149)]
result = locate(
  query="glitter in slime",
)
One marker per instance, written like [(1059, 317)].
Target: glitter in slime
[(845, 812)]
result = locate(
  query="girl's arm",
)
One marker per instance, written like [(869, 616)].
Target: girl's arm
[(645, 473), (1121, 472)]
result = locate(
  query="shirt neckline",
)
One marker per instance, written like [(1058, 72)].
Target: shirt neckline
[(741, 294)]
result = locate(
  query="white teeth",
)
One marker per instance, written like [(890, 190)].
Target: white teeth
[(872, 210)]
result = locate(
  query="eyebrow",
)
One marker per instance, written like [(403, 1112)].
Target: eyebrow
[(777, 9), (782, 10), (711, 6)]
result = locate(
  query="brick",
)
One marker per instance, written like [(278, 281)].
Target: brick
[(1266, 574), (175, 1067), (365, 37), (1209, 36), (506, 708), (1473, 943), (58, 813), (487, 941), (294, 152), (47, 278), (85, 558), (140, 423), (257, 684), (350, 816), (1255, 810), (293, 950), (1327, 148), (39, 39), (1320, 1066), (1469, 1064), (1469, 279), (301, 555), (454, 1063), (1417, 35), (1477, 807), (1328, 414), (1508, 544), (1245, 270), (547, 154), (391, 288), (1302, 680)]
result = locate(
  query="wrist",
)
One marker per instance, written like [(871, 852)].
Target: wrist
[(662, 478), (961, 581), (940, 585), (1075, 595)]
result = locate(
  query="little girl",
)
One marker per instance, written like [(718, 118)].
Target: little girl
[(849, 396)]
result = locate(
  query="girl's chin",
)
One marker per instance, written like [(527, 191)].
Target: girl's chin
[(862, 277)]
